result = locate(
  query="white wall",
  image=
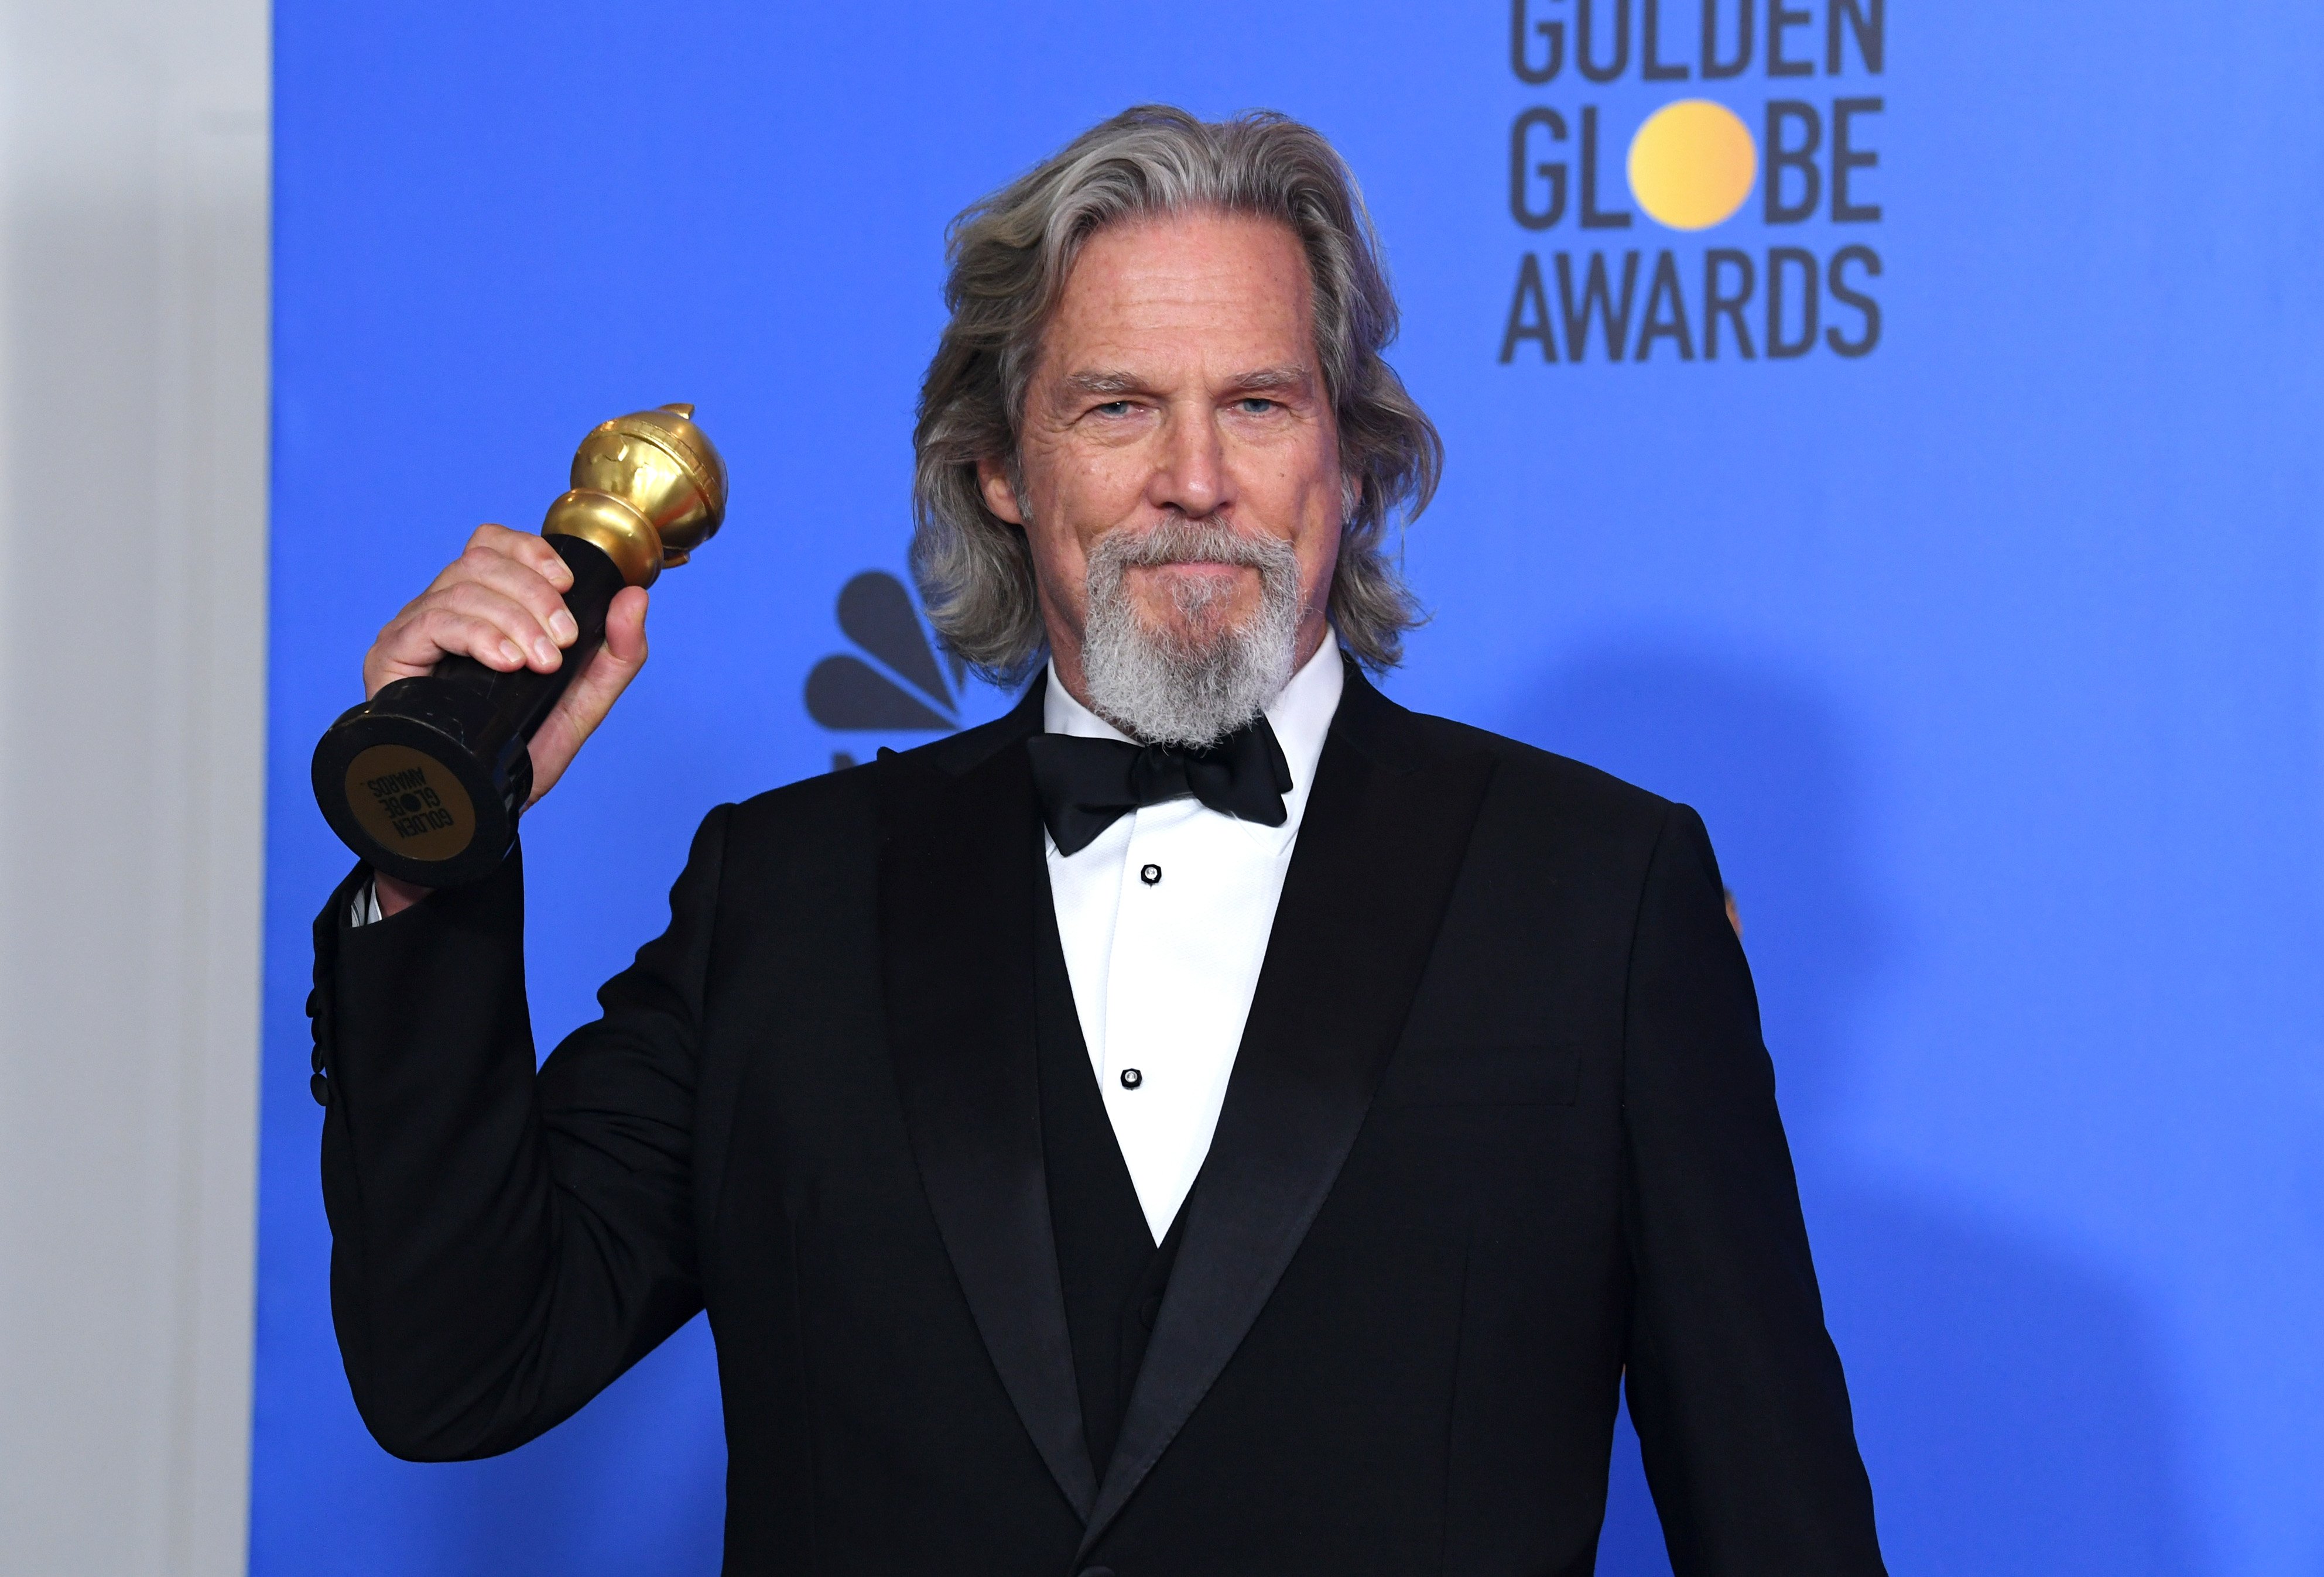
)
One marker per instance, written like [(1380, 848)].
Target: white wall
[(134, 150)]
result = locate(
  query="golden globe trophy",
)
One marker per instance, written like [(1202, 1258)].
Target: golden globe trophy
[(425, 780)]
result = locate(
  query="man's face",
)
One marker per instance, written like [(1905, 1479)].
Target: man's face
[(1177, 381)]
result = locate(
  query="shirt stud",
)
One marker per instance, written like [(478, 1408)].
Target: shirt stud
[(1131, 1078), (1150, 874)]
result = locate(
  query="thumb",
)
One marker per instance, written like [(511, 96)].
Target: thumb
[(625, 627)]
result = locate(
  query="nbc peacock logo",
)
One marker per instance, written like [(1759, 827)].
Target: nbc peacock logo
[(1802, 285), (897, 680)]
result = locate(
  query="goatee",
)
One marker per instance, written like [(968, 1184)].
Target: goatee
[(1206, 676)]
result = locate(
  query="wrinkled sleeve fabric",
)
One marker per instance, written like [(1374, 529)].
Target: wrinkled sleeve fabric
[(504, 1243), (1741, 1409)]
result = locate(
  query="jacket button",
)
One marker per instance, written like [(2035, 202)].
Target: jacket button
[(320, 1088)]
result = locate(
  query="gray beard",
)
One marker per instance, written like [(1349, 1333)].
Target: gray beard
[(1192, 690)]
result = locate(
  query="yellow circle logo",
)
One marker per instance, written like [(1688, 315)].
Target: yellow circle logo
[(1692, 163)]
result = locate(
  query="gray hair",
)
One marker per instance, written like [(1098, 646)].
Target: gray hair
[(1009, 255)]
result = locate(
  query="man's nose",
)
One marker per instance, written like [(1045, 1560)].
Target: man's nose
[(1190, 476)]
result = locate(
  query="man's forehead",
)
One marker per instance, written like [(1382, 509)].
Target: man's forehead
[(1227, 293), (1240, 253)]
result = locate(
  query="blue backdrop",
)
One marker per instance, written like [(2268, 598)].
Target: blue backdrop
[(1983, 629)]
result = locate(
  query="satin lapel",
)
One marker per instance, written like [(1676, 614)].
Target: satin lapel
[(957, 911), (1385, 831)]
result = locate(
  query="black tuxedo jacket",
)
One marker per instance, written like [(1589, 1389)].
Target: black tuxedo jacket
[(1500, 1128)]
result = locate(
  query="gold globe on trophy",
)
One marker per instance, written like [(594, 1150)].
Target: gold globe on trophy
[(425, 780)]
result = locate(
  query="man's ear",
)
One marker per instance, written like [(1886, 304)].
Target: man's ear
[(996, 481)]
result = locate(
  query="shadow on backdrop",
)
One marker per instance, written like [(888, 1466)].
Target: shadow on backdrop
[(2008, 1400)]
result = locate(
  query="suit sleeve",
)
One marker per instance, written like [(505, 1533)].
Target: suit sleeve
[(1741, 1409), (503, 1244)]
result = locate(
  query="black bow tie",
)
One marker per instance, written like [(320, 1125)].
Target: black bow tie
[(1087, 785)]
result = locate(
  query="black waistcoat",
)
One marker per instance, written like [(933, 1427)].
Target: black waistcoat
[(1112, 1272)]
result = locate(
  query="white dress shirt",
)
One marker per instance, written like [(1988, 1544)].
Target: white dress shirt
[(1165, 920)]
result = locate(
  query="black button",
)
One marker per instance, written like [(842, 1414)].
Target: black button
[(320, 1087), (1151, 1311), (1150, 874), (1131, 1078), (314, 1003)]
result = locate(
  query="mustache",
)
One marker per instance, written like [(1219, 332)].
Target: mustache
[(1181, 540)]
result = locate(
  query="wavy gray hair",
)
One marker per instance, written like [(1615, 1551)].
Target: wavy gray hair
[(1009, 257)]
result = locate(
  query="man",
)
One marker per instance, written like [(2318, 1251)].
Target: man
[(1211, 1120)]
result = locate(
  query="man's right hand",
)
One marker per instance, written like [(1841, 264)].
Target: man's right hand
[(502, 603)]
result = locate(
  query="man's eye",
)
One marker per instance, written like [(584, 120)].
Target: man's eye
[(1113, 407), (1252, 405)]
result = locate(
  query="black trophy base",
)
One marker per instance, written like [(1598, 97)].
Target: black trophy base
[(400, 786)]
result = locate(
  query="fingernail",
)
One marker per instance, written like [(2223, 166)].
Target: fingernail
[(561, 625), (545, 653), (512, 651)]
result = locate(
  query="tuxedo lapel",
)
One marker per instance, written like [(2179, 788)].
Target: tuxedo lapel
[(1384, 830), (957, 912)]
